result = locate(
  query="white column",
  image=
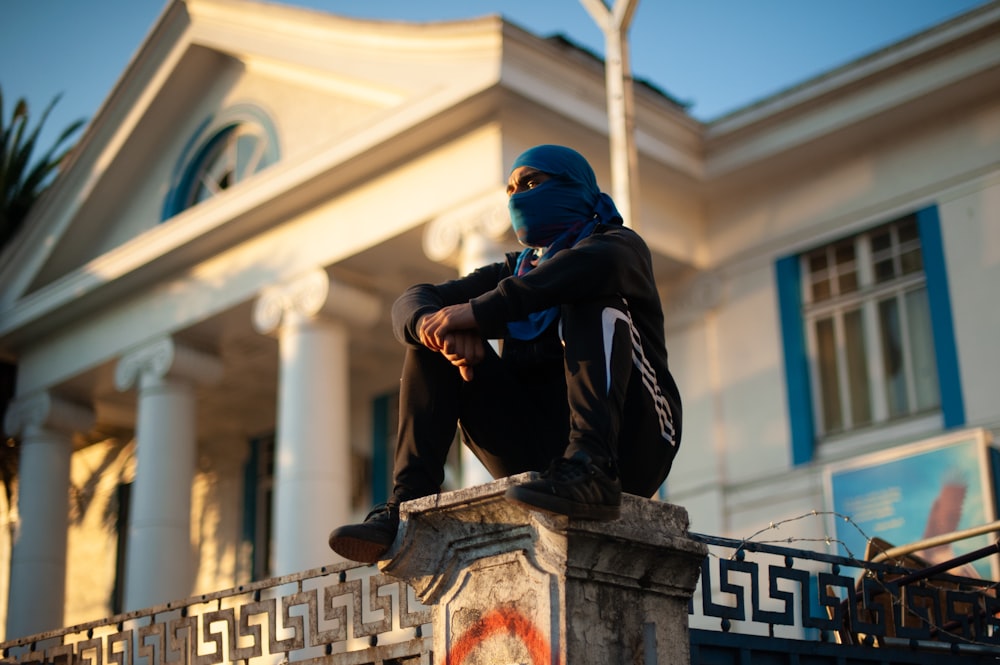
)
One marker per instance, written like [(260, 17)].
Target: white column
[(37, 590), (159, 565), (312, 482), (470, 237)]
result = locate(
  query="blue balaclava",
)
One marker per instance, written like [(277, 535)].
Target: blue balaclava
[(569, 199), (553, 216)]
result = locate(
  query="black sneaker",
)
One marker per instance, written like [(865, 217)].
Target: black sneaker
[(369, 541), (576, 487)]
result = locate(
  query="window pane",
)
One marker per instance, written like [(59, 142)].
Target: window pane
[(857, 369), (881, 240), (848, 282), (883, 255), (817, 261), (922, 350), (907, 230), (820, 290), (246, 155), (912, 261), (884, 270), (223, 163), (847, 275), (819, 276), (844, 253), (892, 357), (829, 383)]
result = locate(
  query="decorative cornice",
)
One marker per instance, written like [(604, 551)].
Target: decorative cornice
[(311, 295)]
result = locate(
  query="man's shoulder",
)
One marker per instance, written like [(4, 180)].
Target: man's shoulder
[(617, 232)]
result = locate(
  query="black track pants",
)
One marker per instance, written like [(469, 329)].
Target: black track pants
[(601, 399)]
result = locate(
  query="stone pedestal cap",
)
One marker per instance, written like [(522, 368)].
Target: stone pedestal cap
[(441, 535)]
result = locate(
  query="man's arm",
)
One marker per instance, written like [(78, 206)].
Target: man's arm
[(439, 316), (602, 264), (453, 332), (423, 299)]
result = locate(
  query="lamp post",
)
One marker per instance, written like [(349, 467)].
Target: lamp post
[(614, 22)]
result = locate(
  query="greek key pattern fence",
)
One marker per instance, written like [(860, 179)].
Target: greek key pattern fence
[(336, 614), (753, 588), (748, 591)]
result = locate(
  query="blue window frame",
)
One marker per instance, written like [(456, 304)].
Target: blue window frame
[(822, 392), (225, 150)]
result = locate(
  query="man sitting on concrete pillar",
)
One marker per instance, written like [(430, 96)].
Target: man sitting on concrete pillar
[(581, 391)]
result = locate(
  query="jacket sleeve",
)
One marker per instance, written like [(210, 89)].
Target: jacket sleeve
[(422, 299), (615, 261)]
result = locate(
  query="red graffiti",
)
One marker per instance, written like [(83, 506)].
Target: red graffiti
[(499, 621)]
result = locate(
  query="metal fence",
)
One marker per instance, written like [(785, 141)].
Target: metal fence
[(755, 590), (750, 595), (337, 615)]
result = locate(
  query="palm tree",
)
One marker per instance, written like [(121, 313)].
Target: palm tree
[(22, 181)]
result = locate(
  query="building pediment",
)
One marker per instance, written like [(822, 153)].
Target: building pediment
[(289, 96)]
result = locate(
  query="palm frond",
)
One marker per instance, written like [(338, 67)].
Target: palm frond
[(23, 178)]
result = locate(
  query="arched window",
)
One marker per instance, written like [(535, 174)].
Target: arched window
[(224, 151)]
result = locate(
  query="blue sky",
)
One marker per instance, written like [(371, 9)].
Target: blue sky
[(716, 55)]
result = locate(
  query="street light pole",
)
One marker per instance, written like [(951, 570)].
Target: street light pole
[(614, 23)]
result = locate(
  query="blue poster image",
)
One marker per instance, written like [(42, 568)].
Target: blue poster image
[(915, 496)]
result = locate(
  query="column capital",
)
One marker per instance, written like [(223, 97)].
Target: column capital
[(483, 218), (311, 295), (42, 409), (163, 357)]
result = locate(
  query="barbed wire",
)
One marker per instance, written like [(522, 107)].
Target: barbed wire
[(894, 592), (826, 539)]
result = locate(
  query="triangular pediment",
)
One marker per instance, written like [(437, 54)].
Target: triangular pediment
[(297, 81)]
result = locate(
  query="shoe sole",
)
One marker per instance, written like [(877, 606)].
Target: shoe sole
[(356, 549), (555, 505)]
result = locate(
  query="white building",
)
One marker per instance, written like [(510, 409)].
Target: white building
[(198, 311)]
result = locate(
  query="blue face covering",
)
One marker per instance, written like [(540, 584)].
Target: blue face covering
[(567, 199), (553, 216)]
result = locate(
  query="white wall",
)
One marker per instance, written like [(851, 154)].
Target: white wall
[(729, 362), (970, 225)]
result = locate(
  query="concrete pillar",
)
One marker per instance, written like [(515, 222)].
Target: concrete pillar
[(159, 565), (514, 586), (37, 590), (311, 315), (470, 237)]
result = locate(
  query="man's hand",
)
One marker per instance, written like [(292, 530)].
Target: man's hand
[(453, 332)]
